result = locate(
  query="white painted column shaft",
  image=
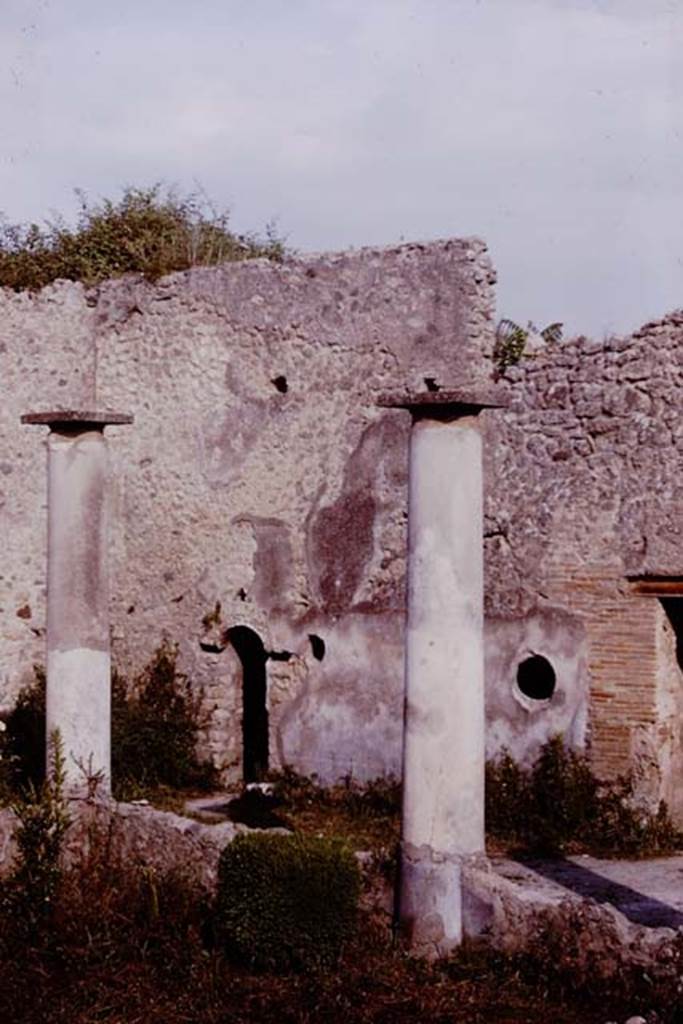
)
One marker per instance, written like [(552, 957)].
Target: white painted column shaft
[(443, 779), (78, 644)]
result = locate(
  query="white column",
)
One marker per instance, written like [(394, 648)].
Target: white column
[(443, 778), (78, 646), (78, 641)]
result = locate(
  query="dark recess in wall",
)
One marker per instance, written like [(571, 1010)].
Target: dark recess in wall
[(536, 677), (317, 646), (251, 652), (673, 606)]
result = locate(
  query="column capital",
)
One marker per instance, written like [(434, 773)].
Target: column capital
[(444, 404), (77, 419)]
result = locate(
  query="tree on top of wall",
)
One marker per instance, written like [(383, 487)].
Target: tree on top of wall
[(150, 231)]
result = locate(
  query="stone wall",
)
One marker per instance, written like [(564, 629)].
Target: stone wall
[(585, 498), (261, 486), (260, 475), (586, 939)]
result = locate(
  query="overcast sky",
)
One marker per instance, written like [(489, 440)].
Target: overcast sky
[(553, 129)]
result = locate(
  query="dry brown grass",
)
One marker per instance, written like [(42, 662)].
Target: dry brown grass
[(120, 942)]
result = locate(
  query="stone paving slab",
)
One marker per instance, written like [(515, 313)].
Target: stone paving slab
[(647, 892)]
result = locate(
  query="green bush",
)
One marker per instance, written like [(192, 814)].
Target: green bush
[(22, 743), (565, 797), (507, 797), (511, 340), (559, 805), (27, 894), (149, 231), (155, 723), (154, 730), (286, 901)]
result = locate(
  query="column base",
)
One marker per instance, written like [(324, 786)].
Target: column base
[(79, 709), (430, 900)]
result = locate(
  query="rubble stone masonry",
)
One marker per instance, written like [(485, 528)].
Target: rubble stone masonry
[(262, 486), (585, 499)]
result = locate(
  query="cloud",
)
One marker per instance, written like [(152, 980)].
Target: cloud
[(552, 129)]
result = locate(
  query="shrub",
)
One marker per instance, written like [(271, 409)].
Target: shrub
[(507, 797), (286, 901), (560, 805), (124, 942), (26, 896), (149, 231), (22, 743), (565, 799), (154, 730), (509, 346), (155, 724)]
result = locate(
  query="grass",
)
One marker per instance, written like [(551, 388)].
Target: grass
[(368, 815), (557, 806), (119, 941), (122, 943)]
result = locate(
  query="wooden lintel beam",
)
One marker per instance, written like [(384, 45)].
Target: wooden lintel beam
[(657, 586)]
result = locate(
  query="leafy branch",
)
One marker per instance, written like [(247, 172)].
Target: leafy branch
[(511, 341)]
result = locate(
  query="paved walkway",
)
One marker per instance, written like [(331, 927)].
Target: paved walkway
[(647, 892)]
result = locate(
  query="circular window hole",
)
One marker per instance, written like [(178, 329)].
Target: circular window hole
[(536, 678)]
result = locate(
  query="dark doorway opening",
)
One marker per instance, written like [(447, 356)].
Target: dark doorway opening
[(252, 654), (673, 606)]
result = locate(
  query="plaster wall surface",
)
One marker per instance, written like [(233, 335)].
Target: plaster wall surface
[(261, 475), (46, 358), (515, 722), (260, 478)]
